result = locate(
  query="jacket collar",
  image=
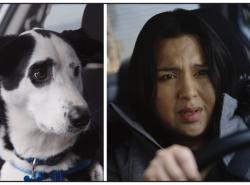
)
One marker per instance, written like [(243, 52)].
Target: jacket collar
[(134, 125), (237, 163), (230, 122)]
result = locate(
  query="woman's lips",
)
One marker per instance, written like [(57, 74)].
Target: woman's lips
[(190, 115)]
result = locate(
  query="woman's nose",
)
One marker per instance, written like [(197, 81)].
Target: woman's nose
[(188, 89)]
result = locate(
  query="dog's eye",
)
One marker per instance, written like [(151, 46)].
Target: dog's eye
[(76, 71), (40, 74)]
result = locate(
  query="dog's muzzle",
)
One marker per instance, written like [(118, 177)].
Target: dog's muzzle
[(79, 117)]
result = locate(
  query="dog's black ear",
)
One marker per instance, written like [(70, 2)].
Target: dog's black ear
[(88, 50), (6, 39), (12, 51), (15, 52), (5, 42)]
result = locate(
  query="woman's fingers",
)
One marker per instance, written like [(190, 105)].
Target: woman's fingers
[(187, 163), (155, 172), (175, 163), (169, 165)]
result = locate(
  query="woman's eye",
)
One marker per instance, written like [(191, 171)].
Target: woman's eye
[(202, 72), (167, 77)]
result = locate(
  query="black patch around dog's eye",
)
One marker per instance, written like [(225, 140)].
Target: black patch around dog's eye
[(72, 65), (40, 73), (44, 33), (76, 71)]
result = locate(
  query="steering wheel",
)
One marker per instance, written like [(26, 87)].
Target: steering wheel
[(222, 146)]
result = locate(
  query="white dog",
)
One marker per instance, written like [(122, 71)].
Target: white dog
[(42, 110)]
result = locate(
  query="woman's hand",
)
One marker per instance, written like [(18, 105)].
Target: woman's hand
[(175, 163)]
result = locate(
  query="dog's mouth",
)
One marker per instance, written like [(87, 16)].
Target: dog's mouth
[(82, 126)]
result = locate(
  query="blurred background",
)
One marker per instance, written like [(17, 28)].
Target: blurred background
[(16, 18), (124, 23)]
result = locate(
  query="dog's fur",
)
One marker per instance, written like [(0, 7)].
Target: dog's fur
[(40, 115)]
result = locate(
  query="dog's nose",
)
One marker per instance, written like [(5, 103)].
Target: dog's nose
[(79, 117)]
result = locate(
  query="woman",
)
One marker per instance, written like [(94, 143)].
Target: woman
[(179, 71)]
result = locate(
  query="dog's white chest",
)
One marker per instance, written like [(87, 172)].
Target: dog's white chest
[(9, 173)]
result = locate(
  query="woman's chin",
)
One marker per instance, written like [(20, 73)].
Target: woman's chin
[(192, 132)]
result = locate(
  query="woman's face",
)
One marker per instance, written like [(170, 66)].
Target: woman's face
[(185, 97)]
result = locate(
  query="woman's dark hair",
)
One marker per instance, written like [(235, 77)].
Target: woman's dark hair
[(142, 68)]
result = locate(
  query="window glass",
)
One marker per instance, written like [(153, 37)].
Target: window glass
[(126, 20), (64, 17), (245, 22)]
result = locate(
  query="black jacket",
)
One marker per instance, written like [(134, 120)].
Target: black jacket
[(128, 157)]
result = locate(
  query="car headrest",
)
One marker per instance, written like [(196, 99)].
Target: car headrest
[(92, 21), (230, 36)]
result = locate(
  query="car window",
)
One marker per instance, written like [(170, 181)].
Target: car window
[(64, 17), (244, 21), (124, 21)]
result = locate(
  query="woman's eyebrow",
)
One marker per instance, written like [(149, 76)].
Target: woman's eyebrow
[(200, 66), (168, 69)]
